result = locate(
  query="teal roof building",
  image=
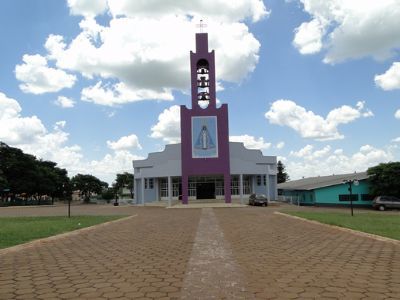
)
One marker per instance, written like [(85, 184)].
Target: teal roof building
[(327, 190)]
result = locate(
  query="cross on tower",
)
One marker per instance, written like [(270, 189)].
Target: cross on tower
[(201, 26)]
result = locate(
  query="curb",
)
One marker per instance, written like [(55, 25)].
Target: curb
[(352, 231), (34, 243)]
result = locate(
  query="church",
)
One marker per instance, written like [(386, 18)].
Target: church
[(205, 165)]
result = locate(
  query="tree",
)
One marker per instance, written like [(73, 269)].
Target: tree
[(282, 175), (385, 179), (124, 180), (25, 175), (87, 184)]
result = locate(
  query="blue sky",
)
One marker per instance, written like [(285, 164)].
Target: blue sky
[(92, 85)]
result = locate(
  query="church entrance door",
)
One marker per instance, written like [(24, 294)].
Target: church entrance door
[(205, 190)]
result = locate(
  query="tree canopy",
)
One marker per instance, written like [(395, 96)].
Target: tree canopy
[(385, 179), (124, 180), (22, 173), (282, 175), (87, 185)]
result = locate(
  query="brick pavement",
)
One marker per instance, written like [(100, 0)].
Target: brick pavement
[(150, 257)]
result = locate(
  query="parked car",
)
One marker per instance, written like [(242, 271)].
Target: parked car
[(258, 199), (384, 202)]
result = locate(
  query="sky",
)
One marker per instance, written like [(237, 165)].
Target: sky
[(93, 85)]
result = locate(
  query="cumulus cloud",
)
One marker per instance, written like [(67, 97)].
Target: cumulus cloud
[(168, 126), (15, 129), (280, 145), (396, 140), (87, 8), (390, 80), (125, 143), (119, 94), (309, 161), (30, 135), (143, 52), (112, 163), (38, 78), (64, 102), (397, 114), (214, 9), (250, 142), (310, 125), (350, 29)]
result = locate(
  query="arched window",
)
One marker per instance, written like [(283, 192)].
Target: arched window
[(203, 83)]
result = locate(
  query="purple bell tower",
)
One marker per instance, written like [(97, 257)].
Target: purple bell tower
[(204, 127)]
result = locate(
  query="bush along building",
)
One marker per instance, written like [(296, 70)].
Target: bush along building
[(328, 190), (205, 165)]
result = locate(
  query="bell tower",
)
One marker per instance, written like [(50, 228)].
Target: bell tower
[(204, 127)]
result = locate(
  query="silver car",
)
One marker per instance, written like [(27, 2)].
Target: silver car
[(384, 202)]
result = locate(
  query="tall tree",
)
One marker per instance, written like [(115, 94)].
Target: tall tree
[(282, 175), (87, 184), (385, 179), (24, 174), (124, 180)]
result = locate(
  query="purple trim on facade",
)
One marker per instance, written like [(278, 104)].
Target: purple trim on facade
[(204, 166)]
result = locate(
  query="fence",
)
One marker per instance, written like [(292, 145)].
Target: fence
[(294, 200)]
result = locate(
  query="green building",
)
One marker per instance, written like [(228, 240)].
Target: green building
[(327, 190)]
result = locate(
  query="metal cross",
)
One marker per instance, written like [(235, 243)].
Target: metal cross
[(201, 26)]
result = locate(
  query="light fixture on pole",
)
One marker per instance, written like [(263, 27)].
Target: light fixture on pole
[(350, 183)]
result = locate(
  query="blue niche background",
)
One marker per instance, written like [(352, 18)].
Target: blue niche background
[(204, 137)]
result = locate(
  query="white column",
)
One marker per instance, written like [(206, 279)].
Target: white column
[(142, 191), (157, 188), (241, 187), (267, 185), (135, 191), (169, 190), (253, 184)]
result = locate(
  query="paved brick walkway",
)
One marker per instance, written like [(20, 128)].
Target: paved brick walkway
[(151, 256)]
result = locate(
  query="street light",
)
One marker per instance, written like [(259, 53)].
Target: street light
[(69, 200), (350, 183)]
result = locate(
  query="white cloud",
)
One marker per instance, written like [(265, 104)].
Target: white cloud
[(309, 161), (120, 94), (30, 135), (250, 142), (88, 8), (64, 102), (390, 80), (168, 126), (118, 162), (125, 143), (396, 140), (280, 145), (15, 129), (308, 37), (350, 29), (397, 114), (310, 125), (143, 52), (208, 9), (38, 78)]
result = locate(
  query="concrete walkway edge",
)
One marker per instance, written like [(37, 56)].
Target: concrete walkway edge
[(356, 232)]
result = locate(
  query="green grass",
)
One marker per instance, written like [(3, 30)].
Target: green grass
[(379, 224), (18, 230)]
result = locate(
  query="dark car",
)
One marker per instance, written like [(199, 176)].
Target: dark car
[(258, 199), (384, 202)]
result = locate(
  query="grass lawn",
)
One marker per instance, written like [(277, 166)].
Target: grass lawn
[(379, 224), (18, 230)]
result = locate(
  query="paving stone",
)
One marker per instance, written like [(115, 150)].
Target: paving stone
[(147, 257)]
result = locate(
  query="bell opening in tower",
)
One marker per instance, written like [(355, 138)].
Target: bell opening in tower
[(203, 83)]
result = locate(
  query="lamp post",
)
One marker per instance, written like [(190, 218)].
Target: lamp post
[(350, 183)]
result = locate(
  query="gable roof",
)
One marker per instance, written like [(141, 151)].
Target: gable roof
[(312, 183)]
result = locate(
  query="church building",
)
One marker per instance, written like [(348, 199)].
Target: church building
[(205, 165)]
